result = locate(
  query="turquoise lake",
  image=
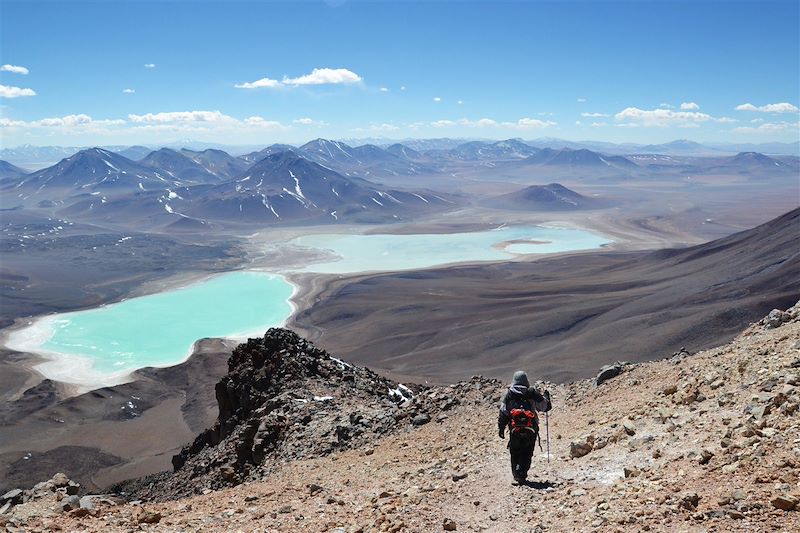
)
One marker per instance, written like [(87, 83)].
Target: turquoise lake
[(102, 346), (160, 329)]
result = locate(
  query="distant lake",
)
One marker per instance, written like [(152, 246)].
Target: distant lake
[(102, 346), (388, 252)]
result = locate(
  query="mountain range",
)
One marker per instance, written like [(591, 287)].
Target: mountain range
[(190, 189)]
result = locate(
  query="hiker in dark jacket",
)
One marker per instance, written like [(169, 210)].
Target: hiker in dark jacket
[(523, 428)]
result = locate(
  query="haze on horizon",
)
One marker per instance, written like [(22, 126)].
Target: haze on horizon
[(290, 72)]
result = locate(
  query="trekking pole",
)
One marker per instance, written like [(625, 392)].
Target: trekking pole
[(547, 428)]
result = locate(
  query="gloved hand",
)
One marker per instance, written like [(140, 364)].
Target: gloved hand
[(502, 433)]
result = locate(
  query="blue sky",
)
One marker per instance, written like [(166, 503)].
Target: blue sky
[(641, 71)]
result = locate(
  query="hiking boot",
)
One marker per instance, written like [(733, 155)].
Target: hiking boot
[(520, 480)]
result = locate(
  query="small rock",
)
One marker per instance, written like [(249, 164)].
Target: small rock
[(629, 428), (786, 503), (149, 517), (631, 471), (670, 390), (579, 448), (449, 525), (705, 457), (459, 476), (689, 501), (86, 503), (421, 419)]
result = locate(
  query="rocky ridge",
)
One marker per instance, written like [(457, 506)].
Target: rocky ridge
[(697, 442), (285, 400)]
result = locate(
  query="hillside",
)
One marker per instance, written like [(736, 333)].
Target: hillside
[(551, 197), (559, 316), (693, 442)]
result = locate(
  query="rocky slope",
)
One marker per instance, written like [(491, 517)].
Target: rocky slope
[(697, 442)]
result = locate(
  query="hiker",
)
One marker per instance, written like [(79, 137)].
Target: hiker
[(518, 414)]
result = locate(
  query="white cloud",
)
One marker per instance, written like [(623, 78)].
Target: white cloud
[(262, 123), (258, 84), (384, 89), (581, 100), (783, 107), (149, 65), (594, 115), (69, 121), (599, 124), (383, 127), (402, 87), (531, 123), (8, 123), (16, 69), (726, 120), (437, 99), (306, 121), (662, 117), (182, 116), (460, 102), (318, 76), (128, 91), (7, 91), (523, 123), (769, 127), (689, 106), (666, 105), (577, 122), (325, 76)]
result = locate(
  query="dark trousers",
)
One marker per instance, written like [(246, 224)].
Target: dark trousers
[(521, 445)]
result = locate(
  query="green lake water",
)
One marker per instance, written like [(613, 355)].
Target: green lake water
[(385, 252)]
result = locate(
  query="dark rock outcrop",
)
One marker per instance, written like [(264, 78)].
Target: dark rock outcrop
[(284, 399)]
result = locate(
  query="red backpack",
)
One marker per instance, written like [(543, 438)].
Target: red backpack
[(523, 419)]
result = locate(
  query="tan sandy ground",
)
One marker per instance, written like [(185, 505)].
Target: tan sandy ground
[(655, 420)]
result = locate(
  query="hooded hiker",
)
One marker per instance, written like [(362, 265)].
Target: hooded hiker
[(518, 414)]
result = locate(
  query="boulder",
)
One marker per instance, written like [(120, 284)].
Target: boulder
[(60, 480), (581, 447), (14, 496), (69, 503), (776, 318), (607, 372), (449, 525)]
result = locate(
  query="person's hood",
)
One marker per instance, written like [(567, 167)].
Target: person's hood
[(522, 390)]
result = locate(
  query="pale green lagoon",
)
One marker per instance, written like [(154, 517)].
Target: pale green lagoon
[(102, 346), (388, 252)]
